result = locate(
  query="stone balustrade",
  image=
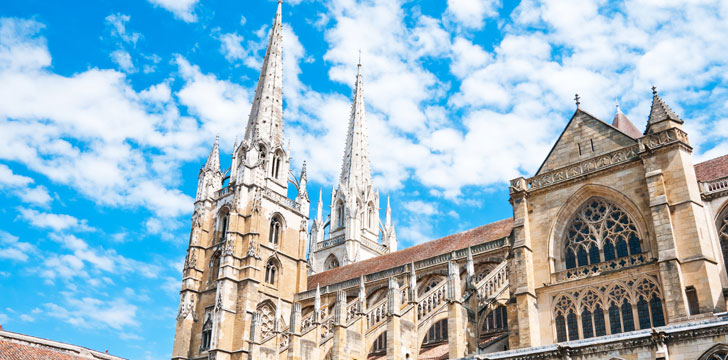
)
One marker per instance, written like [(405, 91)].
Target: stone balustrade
[(714, 186), (377, 314), (431, 300), (598, 268), (492, 284)]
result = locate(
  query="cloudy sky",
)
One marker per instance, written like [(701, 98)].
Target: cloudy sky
[(109, 108)]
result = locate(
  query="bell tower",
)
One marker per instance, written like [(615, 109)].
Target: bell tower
[(245, 234)]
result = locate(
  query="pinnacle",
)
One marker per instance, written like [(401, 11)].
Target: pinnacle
[(356, 170), (660, 111), (213, 160)]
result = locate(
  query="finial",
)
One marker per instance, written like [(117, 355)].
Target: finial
[(619, 110), (280, 1), (654, 90), (577, 98), (359, 57), (217, 137)]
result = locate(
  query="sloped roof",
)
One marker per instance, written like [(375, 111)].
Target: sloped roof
[(15, 346), (712, 169), (622, 123), (478, 235)]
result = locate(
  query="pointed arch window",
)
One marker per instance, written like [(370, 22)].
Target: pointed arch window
[(275, 231), (206, 336), (331, 262), (271, 271), (223, 225), (340, 214), (213, 268), (276, 165), (565, 322), (600, 231)]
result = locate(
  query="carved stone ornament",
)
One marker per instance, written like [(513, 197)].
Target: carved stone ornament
[(252, 250), (218, 299), (257, 204), (191, 259), (196, 222), (229, 245), (186, 308)]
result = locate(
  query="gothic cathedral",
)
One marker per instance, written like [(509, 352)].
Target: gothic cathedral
[(616, 249)]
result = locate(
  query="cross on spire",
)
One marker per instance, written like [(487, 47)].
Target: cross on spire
[(577, 98)]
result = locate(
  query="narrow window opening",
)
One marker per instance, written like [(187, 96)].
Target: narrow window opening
[(592, 144), (692, 296)]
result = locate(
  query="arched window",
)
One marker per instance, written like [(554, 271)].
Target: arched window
[(592, 315), (621, 318), (275, 230), (213, 267), (276, 165), (379, 347), (430, 286), (567, 327), (600, 226), (496, 320), (206, 332), (271, 270), (717, 352), (331, 262), (722, 225), (649, 305), (223, 225), (340, 214), (437, 333)]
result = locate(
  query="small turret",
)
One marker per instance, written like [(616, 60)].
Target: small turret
[(622, 123), (661, 116)]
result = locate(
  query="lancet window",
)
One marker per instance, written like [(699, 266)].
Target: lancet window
[(223, 220), (331, 262), (600, 231), (275, 231), (213, 267), (276, 165), (271, 270), (370, 216), (340, 215), (206, 336), (609, 309)]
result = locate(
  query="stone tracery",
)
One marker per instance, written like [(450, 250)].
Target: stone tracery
[(600, 231)]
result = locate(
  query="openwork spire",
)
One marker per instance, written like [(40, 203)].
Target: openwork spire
[(213, 160), (355, 170), (266, 114)]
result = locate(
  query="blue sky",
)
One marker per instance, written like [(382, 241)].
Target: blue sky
[(109, 108)]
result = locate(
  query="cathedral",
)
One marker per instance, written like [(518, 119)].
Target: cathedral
[(616, 249)]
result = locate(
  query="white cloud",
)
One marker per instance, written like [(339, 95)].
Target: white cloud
[(117, 22), (420, 207), (182, 9), (472, 13), (123, 59), (12, 249), (57, 222), (89, 312), (19, 186)]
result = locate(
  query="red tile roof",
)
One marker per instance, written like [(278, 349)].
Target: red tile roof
[(622, 123), (478, 235), (712, 169), (438, 352), (15, 346)]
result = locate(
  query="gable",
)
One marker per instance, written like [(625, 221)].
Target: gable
[(584, 137)]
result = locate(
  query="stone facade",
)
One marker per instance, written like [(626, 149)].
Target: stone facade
[(616, 249)]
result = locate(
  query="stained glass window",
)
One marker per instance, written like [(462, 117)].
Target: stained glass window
[(600, 224)]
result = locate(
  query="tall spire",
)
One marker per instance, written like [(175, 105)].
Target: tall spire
[(266, 114), (213, 160), (355, 169)]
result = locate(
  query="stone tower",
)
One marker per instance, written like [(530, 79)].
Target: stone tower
[(245, 234), (354, 224)]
